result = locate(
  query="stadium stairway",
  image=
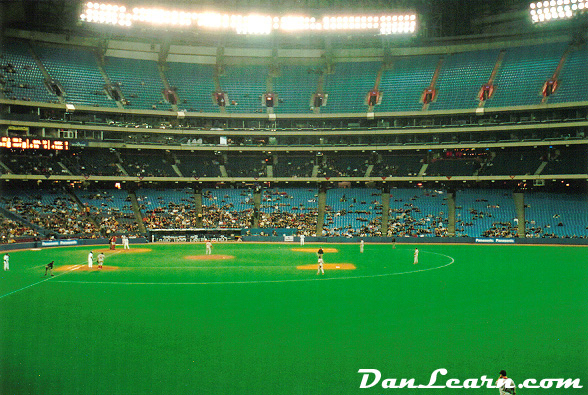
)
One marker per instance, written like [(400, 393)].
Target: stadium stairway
[(76, 199), (137, 211)]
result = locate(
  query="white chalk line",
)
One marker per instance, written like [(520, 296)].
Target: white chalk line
[(47, 279), (452, 260), (40, 282)]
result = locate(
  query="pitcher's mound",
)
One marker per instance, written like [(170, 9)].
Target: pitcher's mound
[(328, 266), (325, 250), (208, 257), (134, 250)]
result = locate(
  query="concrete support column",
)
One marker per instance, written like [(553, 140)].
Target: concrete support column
[(451, 213), (385, 210), (519, 201), (322, 202)]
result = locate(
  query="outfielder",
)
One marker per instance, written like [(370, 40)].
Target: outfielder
[(208, 248), (416, 256), (6, 262), (361, 246), (301, 240)]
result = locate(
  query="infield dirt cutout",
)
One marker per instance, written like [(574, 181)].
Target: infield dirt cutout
[(325, 250), (209, 257), (83, 268), (328, 266), (123, 251)]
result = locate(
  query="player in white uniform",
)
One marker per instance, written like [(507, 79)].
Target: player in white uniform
[(361, 246), (6, 262), (208, 248), (90, 259), (125, 241), (301, 240), (506, 386), (416, 256), (321, 266), (100, 260)]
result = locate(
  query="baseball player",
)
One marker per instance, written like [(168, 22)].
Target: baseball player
[(125, 241), (416, 256), (49, 268), (90, 259), (321, 266), (302, 240), (100, 260), (208, 248), (361, 246), (6, 262)]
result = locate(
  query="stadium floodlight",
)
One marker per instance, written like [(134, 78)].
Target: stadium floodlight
[(120, 15), (556, 9)]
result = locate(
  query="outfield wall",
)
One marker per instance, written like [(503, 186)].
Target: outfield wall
[(67, 243), (296, 240)]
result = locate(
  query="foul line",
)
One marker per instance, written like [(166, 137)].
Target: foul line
[(40, 282), (269, 281), (47, 279)]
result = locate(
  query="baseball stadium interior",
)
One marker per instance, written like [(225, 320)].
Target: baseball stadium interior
[(163, 163), (425, 120)]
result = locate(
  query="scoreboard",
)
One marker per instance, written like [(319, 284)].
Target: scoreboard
[(33, 143)]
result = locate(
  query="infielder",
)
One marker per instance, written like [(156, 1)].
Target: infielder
[(49, 268), (6, 262), (100, 260), (208, 248), (416, 256), (125, 241), (90, 259), (321, 266)]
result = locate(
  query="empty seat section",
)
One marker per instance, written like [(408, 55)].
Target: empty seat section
[(23, 79), (293, 165), (485, 213), (244, 86), (398, 165), (573, 79), (461, 77), (523, 72), (295, 86), (195, 85), (77, 71), (139, 82), (349, 85), (404, 82), (250, 165), (556, 214), (352, 212), (202, 164), (417, 213)]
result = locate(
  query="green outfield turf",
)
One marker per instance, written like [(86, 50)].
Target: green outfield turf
[(166, 320)]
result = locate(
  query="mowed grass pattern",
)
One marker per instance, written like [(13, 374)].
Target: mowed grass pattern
[(164, 324)]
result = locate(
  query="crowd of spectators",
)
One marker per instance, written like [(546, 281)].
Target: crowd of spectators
[(60, 215), (109, 216), (11, 231)]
